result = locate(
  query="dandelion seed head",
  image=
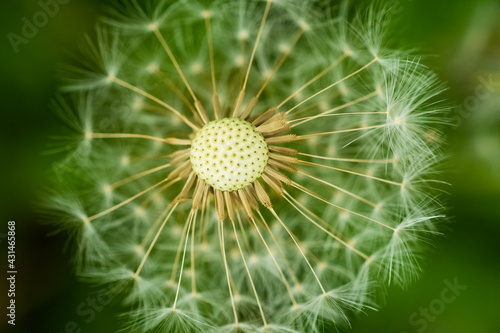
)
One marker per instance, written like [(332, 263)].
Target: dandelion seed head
[(267, 164)]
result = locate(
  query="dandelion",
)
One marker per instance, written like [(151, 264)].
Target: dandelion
[(247, 166)]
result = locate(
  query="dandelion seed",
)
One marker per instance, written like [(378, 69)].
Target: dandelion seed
[(255, 185)]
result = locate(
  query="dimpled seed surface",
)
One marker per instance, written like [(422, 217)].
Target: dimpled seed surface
[(228, 154)]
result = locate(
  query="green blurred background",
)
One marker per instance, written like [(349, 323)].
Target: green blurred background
[(460, 40)]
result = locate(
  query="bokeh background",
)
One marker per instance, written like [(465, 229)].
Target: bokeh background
[(459, 39)]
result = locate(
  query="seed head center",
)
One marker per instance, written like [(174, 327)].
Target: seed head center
[(229, 154)]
